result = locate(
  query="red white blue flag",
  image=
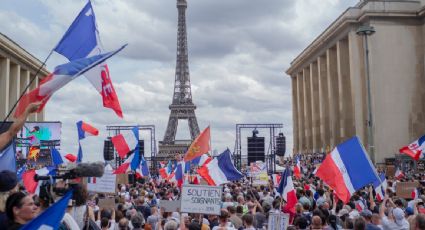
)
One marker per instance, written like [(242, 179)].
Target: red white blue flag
[(347, 169), (416, 149), (82, 40), (61, 76), (84, 129)]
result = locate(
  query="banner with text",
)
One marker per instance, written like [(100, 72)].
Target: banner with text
[(201, 199)]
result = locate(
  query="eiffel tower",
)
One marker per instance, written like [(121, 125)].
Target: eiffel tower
[(182, 107)]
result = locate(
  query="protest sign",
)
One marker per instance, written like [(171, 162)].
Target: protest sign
[(122, 178), (201, 199), (108, 203), (169, 205), (258, 172), (404, 189), (104, 184), (278, 221)]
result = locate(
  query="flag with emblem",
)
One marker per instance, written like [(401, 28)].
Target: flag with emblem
[(199, 146)]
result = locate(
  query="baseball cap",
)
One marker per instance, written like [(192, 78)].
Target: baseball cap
[(398, 215), (366, 213), (8, 180)]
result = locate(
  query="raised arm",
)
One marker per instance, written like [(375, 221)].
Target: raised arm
[(17, 125)]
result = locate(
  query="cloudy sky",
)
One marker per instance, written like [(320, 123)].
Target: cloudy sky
[(238, 52)]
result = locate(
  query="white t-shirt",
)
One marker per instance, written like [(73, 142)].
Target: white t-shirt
[(70, 222)]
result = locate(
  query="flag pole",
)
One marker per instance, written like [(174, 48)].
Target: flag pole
[(26, 88), (209, 126)]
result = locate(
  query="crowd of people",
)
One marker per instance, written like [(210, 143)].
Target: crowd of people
[(138, 206), (247, 207)]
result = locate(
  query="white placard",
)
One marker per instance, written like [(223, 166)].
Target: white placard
[(201, 199), (104, 184), (278, 221)]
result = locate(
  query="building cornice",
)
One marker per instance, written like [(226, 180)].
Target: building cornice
[(356, 15), (16, 51)]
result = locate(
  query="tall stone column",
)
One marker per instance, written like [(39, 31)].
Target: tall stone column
[(4, 87), (324, 102), (14, 84), (295, 117), (344, 91), (33, 117), (307, 109), (333, 95), (301, 121), (315, 109), (358, 85)]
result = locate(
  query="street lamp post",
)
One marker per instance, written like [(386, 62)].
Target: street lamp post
[(365, 31)]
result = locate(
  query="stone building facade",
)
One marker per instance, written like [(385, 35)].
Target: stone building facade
[(17, 68), (329, 96)]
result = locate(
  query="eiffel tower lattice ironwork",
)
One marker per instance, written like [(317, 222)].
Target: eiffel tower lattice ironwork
[(182, 107)]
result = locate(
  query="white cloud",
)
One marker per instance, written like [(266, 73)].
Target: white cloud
[(238, 52)]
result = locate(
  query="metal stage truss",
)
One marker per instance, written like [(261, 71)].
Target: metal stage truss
[(114, 130), (270, 154)]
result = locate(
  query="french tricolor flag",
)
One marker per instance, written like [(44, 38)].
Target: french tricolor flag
[(61, 76), (201, 160), (399, 174), (143, 169), (276, 179), (347, 169), (220, 170), (297, 168), (133, 161), (85, 129), (82, 40), (165, 172), (287, 190), (380, 187), (415, 194), (126, 142), (360, 206), (127, 165)]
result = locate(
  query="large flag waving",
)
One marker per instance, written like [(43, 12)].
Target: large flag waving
[(347, 169), (61, 76), (220, 170), (51, 217), (199, 146), (133, 161), (126, 142), (416, 149), (84, 129), (82, 40)]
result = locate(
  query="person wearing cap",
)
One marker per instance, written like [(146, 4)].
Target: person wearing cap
[(395, 219), (8, 185), (17, 125)]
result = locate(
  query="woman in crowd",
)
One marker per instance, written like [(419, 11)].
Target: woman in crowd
[(20, 209), (80, 208)]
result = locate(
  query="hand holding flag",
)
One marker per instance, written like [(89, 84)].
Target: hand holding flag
[(61, 76)]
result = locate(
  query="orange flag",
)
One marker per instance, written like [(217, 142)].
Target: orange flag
[(199, 146)]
